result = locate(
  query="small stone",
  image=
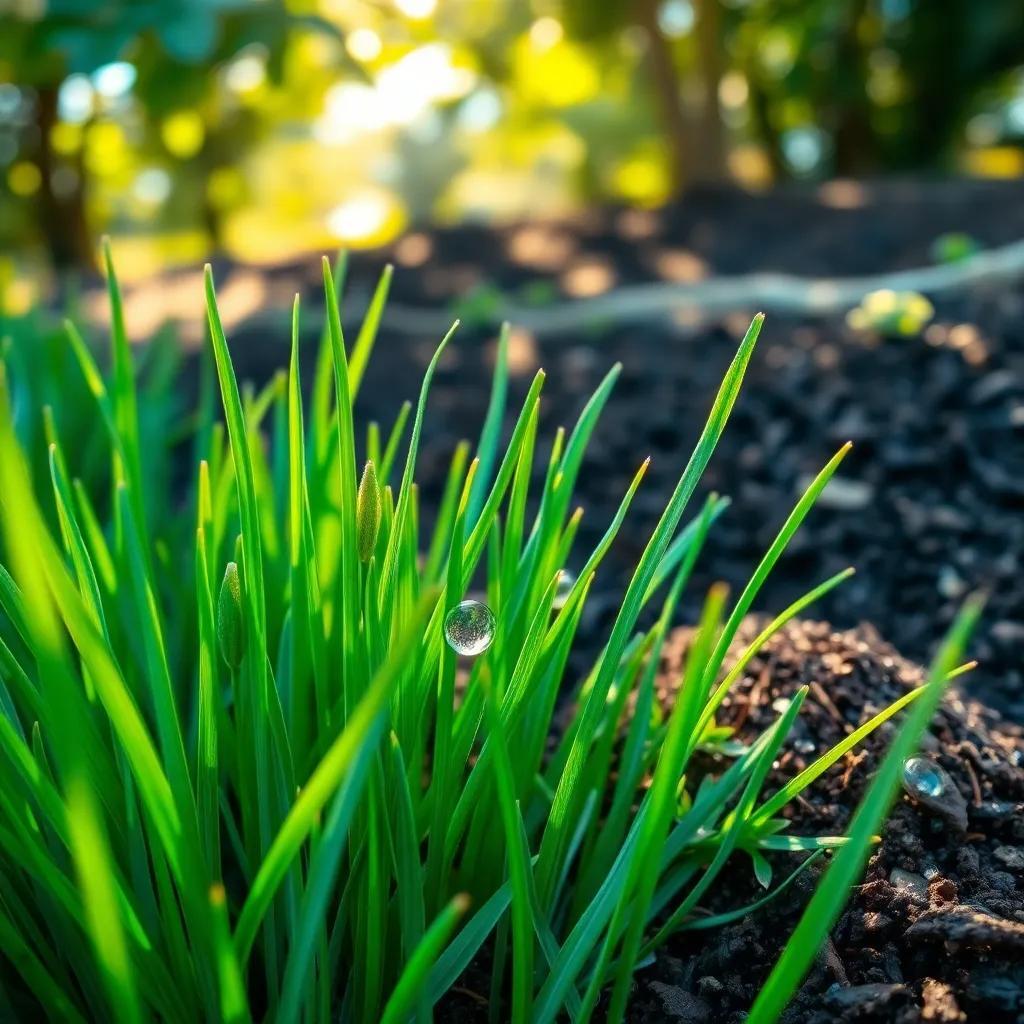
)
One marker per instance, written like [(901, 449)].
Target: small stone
[(1006, 632), (996, 988), (1010, 856), (842, 493), (950, 584), (939, 1004), (681, 1005), (875, 922), (966, 928), (915, 886), (993, 810), (709, 985), (864, 999)]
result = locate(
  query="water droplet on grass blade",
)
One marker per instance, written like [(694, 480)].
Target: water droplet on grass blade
[(469, 628), (923, 778), (563, 588)]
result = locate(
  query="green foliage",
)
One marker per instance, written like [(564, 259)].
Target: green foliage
[(954, 247), (892, 314), (277, 802), (508, 110)]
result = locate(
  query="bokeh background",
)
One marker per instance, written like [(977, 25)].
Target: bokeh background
[(267, 128)]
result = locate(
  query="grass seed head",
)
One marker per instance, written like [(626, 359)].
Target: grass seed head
[(229, 618), (367, 512)]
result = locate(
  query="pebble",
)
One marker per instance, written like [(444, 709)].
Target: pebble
[(908, 882), (841, 493), (1010, 856)]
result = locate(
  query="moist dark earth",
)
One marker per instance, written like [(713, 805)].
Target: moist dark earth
[(936, 930), (927, 507)]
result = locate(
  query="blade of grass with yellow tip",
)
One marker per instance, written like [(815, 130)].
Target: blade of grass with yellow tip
[(416, 972)]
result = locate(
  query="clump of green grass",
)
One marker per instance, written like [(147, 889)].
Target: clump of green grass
[(236, 779)]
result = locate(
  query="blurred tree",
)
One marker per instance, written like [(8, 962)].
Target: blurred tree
[(886, 84), (695, 139), (272, 125), (173, 47)]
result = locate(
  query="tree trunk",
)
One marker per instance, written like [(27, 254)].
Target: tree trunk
[(709, 155), (855, 150), (764, 124), (677, 128), (62, 216)]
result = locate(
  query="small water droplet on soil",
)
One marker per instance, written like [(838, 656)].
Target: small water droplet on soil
[(923, 778)]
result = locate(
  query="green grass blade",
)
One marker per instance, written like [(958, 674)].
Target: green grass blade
[(417, 970), (207, 755), (785, 534), (487, 447), (126, 413), (720, 920), (368, 331), (518, 866), (755, 645), (234, 1005), (324, 781), (639, 889), (402, 508), (158, 671), (98, 888)]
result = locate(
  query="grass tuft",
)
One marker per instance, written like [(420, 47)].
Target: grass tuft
[(275, 791)]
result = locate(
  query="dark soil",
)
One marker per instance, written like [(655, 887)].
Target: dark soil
[(936, 931)]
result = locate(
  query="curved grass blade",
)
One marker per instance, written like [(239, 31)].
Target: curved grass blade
[(487, 447)]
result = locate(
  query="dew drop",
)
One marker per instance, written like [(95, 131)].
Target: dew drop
[(923, 778), (563, 588), (469, 628)]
